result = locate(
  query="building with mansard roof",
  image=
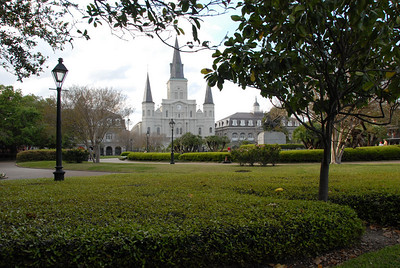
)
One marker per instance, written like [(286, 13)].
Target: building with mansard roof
[(176, 106)]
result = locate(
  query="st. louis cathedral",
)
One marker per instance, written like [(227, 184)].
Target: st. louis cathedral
[(177, 106)]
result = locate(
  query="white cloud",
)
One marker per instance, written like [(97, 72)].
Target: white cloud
[(107, 61)]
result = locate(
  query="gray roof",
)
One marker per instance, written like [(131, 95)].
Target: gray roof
[(147, 91), (244, 116), (209, 97), (176, 65)]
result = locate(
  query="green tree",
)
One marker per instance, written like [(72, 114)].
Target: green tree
[(329, 57), (215, 143), (24, 24), (90, 113), (188, 142), (309, 138), (19, 119)]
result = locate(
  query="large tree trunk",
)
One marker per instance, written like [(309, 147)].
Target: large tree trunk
[(324, 171)]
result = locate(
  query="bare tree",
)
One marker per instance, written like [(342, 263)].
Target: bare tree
[(91, 113)]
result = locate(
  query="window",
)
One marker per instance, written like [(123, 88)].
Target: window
[(242, 122), (234, 122), (250, 123), (180, 131), (199, 130), (258, 123), (234, 136), (242, 136), (227, 122), (148, 129), (148, 113), (158, 131), (166, 113), (250, 136), (205, 113), (143, 113), (181, 95), (109, 136), (191, 113), (210, 129)]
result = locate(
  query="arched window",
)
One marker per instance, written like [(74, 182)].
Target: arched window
[(242, 136), (234, 136), (210, 129), (166, 113), (158, 131), (148, 112), (199, 130)]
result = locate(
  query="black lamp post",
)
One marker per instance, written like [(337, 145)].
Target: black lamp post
[(172, 124), (59, 73), (147, 140)]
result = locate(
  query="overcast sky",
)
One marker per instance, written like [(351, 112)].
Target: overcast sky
[(108, 61)]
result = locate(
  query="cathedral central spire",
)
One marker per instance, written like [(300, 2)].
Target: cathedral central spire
[(176, 65), (147, 91)]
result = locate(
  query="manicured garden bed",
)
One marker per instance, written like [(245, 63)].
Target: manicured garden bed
[(184, 215)]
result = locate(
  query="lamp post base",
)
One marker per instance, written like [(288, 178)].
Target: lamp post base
[(59, 174), (172, 159)]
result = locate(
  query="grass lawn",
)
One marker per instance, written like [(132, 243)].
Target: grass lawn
[(177, 198)]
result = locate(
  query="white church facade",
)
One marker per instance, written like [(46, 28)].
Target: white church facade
[(177, 106)]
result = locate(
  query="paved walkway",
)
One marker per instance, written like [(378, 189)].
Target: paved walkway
[(14, 172)]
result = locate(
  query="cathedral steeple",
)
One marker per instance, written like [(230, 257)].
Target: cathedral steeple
[(176, 65), (209, 97), (147, 91)]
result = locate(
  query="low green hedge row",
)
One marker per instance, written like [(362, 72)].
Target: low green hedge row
[(155, 224), (375, 153), (206, 157), (287, 146), (134, 156), (68, 155)]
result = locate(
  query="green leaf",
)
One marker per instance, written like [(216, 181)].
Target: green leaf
[(390, 74), (206, 71), (359, 73), (236, 18)]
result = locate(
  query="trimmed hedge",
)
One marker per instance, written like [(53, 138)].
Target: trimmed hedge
[(68, 155), (262, 154), (374, 207), (206, 157), (374, 153), (154, 223), (36, 155), (301, 156), (151, 156)]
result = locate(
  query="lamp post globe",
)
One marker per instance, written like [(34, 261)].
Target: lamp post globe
[(59, 73), (172, 124)]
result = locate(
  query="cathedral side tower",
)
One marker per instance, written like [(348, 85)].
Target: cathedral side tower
[(177, 83), (147, 107), (209, 113)]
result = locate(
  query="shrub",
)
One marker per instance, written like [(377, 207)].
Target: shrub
[(75, 155), (298, 156), (151, 156), (374, 207), (375, 153), (36, 155), (206, 157), (154, 223), (250, 154), (125, 153)]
